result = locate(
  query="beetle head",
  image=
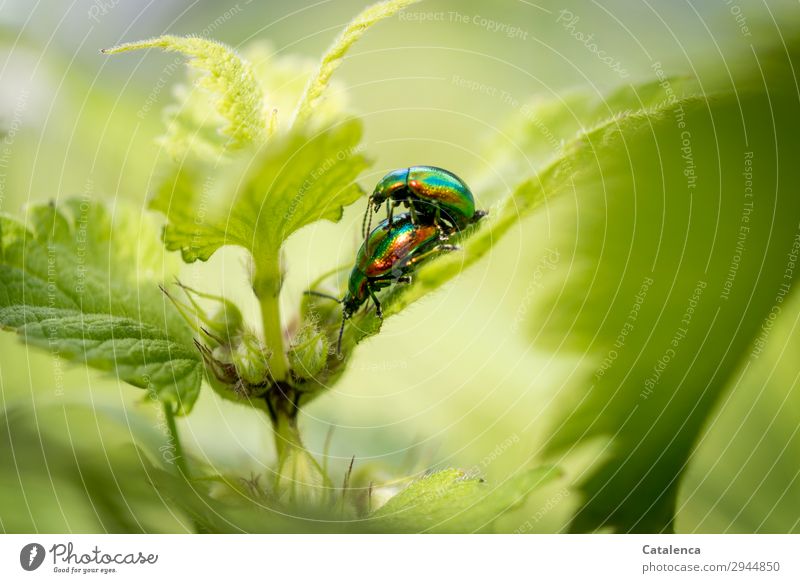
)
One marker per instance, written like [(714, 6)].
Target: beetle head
[(350, 305), (390, 184)]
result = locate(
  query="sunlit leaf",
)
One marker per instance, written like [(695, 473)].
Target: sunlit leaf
[(225, 76), (296, 180), (75, 284), (452, 501), (743, 475), (680, 243)]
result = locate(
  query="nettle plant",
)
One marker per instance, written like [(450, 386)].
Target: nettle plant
[(92, 284), (252, 160)]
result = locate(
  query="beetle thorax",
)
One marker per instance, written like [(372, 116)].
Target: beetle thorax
[(392, 186)]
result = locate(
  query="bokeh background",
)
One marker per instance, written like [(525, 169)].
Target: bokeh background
[(474, 375)]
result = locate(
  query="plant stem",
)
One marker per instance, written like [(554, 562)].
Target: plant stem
[(267, 287), (287, 436), (300, 478), (273, 337), (180, 460)]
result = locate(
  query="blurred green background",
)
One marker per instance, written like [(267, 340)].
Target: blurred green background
[(479, 374)]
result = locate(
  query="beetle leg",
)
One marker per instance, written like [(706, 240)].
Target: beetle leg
[(414, 217), (404, 279), (390, 213), (378, 310), (478, 216)]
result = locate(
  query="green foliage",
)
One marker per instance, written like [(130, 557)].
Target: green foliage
[(96, 482), (296, 178), (629, 144), (228, 504), (453, 501), (317, 85), (678, 254), (73, 284), (742, 473), (240, 101), (544, 130), (668, 301), (292, 182)]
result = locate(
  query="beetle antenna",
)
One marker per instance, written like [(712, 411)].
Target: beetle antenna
[(366, 231), (341, 332), (311, 292), (364, 224)]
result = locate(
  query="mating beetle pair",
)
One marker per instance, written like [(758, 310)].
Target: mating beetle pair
[(432, 195), (439, 204)]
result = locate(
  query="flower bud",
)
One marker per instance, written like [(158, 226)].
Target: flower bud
[(309, 353), (251, 358)]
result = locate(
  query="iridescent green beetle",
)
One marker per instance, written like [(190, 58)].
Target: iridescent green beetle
[(387, 257), (432, 195)]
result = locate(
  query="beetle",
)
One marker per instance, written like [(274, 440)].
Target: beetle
[(432, 195), (387, 257)]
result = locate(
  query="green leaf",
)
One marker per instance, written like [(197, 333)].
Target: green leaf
[(453, 501), (77, 284), (284, 77), (240, 111), (317, 85), (679, 239), (742, 477), (541, 133), (72, 468), (257, 204)]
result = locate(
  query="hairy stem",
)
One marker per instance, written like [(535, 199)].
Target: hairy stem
[(180, 460), (300, 478), (287, 435)]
